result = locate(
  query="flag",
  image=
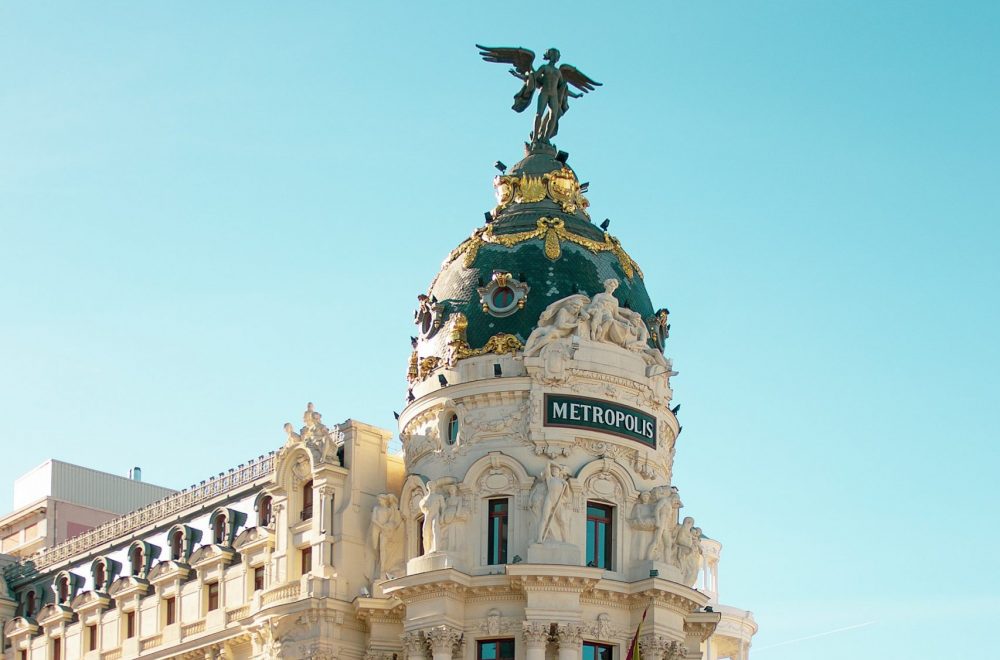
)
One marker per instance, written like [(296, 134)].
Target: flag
[(633, 649)]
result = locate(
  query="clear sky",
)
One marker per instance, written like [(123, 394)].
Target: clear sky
[(214, 212)]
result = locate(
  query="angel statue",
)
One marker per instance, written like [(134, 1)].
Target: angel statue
[(552, 83)]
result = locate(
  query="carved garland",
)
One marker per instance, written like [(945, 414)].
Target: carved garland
[(553, 231), (459, 346)]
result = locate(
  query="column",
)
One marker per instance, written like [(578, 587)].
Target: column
[(443, 640), (415, 645), (570, 637), (536, 639)]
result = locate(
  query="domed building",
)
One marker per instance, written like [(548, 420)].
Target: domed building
[(531, 515)]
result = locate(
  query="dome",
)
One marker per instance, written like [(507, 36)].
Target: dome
[(540, 247)]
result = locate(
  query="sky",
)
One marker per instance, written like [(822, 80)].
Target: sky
[(212, 213)]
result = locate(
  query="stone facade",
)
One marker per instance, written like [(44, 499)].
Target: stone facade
[(531, 514)]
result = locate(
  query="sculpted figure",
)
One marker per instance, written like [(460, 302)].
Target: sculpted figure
[(383, 536), (642, 517), (453, 514), (559, 320), (689, 570), (603, 312), (550, 502), (684, 547), (432, 505), (292, 436), (668, 502), (550, 81)]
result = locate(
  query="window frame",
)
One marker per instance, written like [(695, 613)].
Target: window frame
[(129, 625), (306, 560), (597, 646), (498, 641), (608, 522), (169, 610), (211, 596), (501, 544), (308, 501)]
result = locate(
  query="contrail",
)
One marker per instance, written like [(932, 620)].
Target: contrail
[(822, 634)]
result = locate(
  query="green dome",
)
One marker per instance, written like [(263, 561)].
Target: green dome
[(541, 247)]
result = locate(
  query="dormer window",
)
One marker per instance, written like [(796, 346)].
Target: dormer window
[(30, 603), (219, 529), (137, 560), (100, 576), (264, 511), (62, 589), (177, 545)]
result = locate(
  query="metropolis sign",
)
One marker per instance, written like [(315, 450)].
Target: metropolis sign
[(577, 412)]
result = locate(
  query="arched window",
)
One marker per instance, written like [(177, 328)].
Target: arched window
[(177, 545), (136, 559), (453, 429), (264, 511), (219, 529), (29, 603), (307, 500), (100, 576), (63, 589)]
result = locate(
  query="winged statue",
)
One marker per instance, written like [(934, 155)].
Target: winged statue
[(551, 81)]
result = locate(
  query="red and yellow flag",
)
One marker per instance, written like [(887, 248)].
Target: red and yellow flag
[(633, 649)]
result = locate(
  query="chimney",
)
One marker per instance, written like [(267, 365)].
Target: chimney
[(135, 474)]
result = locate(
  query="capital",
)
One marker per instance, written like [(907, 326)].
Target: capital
[(443, 638), (536, 633), (570, 635)]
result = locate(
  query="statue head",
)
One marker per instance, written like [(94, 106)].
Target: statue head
[(552, 55), (688, 522), (645, 496), (610, 285)]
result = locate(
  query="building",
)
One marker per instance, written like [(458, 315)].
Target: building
[(530, 517), (57, 501)]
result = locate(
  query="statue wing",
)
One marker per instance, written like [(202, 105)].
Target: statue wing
[(522, 59), (578, 79)]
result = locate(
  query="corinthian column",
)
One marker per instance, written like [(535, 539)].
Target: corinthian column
[(570, 637), (415, 645), (536, 639), (443, 640)]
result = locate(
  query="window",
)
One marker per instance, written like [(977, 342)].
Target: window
[(177, 545), (130, 624), (496, 537), (420, 537), (307, 501), (213, 595), (219, 529), (307, 560), (92, 637), (453, 429), (264, 512), (594, 651), (29, 604), (495, 649), (57, 648), (599, 535), (170, 610), (63, 590), (24, 655), (100, 576), (258, 578), (136, 559)]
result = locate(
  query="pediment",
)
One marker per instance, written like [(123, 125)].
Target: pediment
[(52, 614), (128, 586), (211, 554), (90, 600), (19, 626), (169, 570), (254, 537)]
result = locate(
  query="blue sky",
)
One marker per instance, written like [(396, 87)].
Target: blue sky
[(211, 213)]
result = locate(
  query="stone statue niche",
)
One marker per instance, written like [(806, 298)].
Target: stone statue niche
[(551, 504), (445, 512), (672, 548), (385, 539)]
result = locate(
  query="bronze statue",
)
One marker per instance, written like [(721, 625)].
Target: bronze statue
[(552, 83)]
